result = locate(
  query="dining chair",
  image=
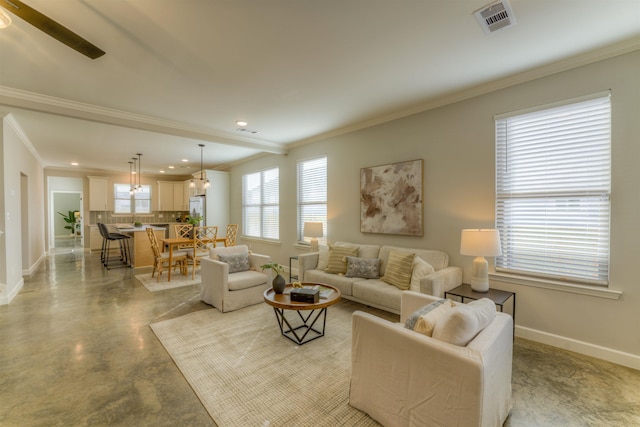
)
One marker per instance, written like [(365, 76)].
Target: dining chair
[(205, 240), (230, 238), (160, 259)]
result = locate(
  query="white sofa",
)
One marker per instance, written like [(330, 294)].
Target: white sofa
[(403, 378), (375, 292), (232, 291)]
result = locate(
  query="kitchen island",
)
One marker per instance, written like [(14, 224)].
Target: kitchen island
[(140, 246)]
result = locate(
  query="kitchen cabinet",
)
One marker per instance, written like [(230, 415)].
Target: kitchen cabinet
[(171, 196), (98, 194), (95, 239)]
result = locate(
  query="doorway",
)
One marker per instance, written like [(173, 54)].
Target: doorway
[(65, 201)]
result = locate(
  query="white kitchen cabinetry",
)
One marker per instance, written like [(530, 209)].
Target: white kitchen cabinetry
[(98, 193), (171, 196), (95, 239)]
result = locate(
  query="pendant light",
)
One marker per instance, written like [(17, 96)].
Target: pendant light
[(139, 188), (205, 182), (131, 190), (134, 186)]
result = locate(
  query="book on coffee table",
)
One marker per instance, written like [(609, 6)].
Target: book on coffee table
[(325, 292)]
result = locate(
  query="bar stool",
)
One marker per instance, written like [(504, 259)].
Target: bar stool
[(107, 238)]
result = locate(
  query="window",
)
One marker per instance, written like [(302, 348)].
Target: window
[(312, 194), (124, 200), (261, 204), (553, 191)]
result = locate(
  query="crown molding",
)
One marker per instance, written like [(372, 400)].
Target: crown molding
[(15, 126), (64, 107)]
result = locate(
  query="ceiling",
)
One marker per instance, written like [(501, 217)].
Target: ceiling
[(181, 73)]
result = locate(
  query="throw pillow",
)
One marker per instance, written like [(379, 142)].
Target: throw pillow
[(237, 263), (230, 250), (411, 320), (421, 268), (461, 324), (427, 322), (323, 257), (337, 259), (367, 268), (398, 272)]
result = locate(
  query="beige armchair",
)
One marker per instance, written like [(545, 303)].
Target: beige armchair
[(402, 378), (228, 291)]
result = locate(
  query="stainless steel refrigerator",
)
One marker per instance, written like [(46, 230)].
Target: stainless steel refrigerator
[(197, 207)]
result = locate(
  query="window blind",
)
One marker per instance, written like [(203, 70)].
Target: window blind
[(261, 204), (553, 183), (312, 194)]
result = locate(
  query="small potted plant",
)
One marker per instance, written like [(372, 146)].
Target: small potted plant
[(71, 220), (278, 282)]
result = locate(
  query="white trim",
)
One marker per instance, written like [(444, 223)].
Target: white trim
[(588, 349), (6, 299), (588, 97), (574, 288)]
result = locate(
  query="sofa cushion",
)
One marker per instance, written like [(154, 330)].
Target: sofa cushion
[(377, 293), (399, 267), (462, 323), (337, 258), (411, 320), (437, 259), (230, 250), (428, 321), (421, 268), (239, 262), (367, 268), (343, 283), (364, 251), (246, 279)]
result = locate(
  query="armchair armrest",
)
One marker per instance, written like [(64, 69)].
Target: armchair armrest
[(437, 283), (214, 278), (308, 261), (412, 301), (257, 260)]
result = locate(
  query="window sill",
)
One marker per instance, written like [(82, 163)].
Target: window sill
[(259, 240), (573, 288)]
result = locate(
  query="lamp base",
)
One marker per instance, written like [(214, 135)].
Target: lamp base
[(314, 245), (480, 275)]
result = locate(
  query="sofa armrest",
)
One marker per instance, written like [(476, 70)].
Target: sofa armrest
[(400, 377), (437, 283), (308, 261)]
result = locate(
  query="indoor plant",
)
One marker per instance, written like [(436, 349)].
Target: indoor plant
[(71, 220), (278, 282)]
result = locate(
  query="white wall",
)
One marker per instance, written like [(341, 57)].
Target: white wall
[(17, 161), (457, 145)]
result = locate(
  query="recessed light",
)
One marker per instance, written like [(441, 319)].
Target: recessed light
[(185, 160), (161, 171), (172, 167), (241, 123), (74, 163)]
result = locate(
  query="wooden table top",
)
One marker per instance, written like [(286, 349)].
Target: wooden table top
[(284, 300)]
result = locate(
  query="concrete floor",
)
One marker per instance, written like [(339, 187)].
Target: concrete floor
[(76, 350)]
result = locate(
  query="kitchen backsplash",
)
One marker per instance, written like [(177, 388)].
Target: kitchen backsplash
[(109, 217)]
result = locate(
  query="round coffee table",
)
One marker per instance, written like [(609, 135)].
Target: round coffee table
[(306, 326)]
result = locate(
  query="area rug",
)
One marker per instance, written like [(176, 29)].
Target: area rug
[(247, 374), (177, 280)]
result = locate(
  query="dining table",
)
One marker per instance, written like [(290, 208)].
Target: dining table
[(171, 242)]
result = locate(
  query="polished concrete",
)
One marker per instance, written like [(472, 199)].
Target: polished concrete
[(76, 350)]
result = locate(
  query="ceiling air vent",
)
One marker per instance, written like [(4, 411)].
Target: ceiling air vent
[(495, 16)]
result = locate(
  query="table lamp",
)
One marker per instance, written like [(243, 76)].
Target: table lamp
[(313, 230), (480, 243)]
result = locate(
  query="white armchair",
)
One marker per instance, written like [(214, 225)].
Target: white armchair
[(403, 378), (232, 291)]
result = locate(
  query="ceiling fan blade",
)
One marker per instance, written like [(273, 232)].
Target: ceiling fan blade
[(51, 27)]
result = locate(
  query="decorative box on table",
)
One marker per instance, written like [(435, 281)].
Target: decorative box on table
[(305, 295)]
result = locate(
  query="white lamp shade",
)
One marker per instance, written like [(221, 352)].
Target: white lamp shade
[(480, 242), (312, 229)]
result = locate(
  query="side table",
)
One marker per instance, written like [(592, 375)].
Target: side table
[(499, 297)]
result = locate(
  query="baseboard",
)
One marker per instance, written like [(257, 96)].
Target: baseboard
[(32, 269), (6, 299), (610, 355)]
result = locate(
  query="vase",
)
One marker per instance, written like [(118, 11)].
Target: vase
[(278, 284)]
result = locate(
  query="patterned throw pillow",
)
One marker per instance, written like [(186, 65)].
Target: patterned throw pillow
[(367, 268), (337, 259), (399, 267), (236, 263), (411, 320)]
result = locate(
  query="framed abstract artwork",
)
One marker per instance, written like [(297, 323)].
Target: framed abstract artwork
[(391, 199)]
